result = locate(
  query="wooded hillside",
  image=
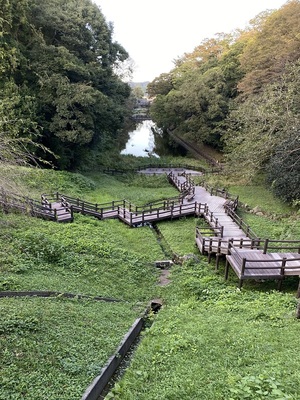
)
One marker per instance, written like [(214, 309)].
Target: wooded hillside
[(57, 75), (238, 92)]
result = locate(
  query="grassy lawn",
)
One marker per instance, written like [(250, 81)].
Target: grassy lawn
[(53, 348), (209, 341), (212, 341)]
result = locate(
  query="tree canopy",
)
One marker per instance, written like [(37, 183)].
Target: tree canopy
[(238, 92), (61, 56)]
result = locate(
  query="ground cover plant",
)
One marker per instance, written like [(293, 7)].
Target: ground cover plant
[(87, 257), (180, 235), (52, 348), (209, 340), (212, 341)]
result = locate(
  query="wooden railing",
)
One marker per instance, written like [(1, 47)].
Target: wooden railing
[(267, 245), (232, 199), (14, 202), (253, 264), (128, 212), (118, 171), (241, 223), (187, 187)]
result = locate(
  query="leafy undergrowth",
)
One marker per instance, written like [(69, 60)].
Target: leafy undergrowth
[(212, 341), (130, 162), (258, 195), (285, 228), (104, 258), (52, 348), (180, 235)]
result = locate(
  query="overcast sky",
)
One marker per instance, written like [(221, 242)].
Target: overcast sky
[(158, 31)]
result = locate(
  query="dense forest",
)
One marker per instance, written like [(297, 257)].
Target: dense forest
[(238, 92), (64, 100), (61, 80)]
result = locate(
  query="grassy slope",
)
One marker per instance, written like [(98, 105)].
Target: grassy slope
[(209, 341), (56, 346), (212, 341)]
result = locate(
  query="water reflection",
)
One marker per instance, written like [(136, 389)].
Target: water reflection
[(141, 141)]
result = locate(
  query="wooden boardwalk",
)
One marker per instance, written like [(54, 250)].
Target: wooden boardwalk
[(225, 233)]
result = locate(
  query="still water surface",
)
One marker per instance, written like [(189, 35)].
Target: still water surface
[(141, 141)]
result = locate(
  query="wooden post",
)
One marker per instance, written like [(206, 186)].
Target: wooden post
[(226, 269), (298, 293), (203, 246), (282, 273), (266, 246), (218, 254), (222, 231), (242, 273), (210, 250)]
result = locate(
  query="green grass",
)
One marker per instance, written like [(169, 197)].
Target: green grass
[(254, 195), (180, 235), (209, 341), (52, 348), (88, 256)]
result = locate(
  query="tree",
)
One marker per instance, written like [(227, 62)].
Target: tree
[(274, 43), (61, 54), (261, 127), (193, 99), (283, 171)]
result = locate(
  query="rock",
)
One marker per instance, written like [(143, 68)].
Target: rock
[(256, 210), (259, 213)]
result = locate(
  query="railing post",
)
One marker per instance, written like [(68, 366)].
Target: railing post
[(266, 246)]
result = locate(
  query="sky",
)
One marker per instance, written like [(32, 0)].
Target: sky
[(157, 32)]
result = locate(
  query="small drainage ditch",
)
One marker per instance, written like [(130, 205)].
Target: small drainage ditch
[(113, 371), (116, 366)]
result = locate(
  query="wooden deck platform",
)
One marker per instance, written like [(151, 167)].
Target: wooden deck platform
[(254, 264)]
